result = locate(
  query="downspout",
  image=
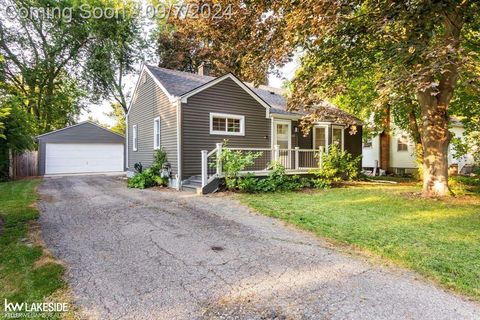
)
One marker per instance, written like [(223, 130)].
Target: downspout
[(125, 165), (179, 143)]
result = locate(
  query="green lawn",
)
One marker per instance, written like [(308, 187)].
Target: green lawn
[(438, 238), (27, 272)]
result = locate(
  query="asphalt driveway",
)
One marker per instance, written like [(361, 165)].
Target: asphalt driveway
[(133, 254)]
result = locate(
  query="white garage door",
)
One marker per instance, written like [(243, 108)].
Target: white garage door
[(83, 158)]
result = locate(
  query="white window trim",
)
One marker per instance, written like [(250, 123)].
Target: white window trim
[(155, 146), (406, 143), (134, 137), (230, 116), (343, 135), (289, 123), (327, 134)]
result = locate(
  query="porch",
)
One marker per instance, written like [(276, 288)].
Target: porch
[(295, 161)]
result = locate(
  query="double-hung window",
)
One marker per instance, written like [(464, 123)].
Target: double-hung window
[(134, 137), (337, 136), (227, 124), (156, 133), (402, 143)]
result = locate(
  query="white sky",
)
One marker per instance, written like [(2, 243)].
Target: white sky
[(99, 111)]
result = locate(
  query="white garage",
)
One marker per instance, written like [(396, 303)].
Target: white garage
[(83, 157), (82, 148)]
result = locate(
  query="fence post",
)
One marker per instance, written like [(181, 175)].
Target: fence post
[(320, 157), (219, 158), (296, 158), (204, 168)]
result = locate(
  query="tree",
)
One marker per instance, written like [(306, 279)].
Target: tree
[(112, 56), (62, 47), (238, 41), (419, 49), (39, 78), (118, 114)]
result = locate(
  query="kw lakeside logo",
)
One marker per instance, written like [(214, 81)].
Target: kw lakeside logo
[(24, 309)]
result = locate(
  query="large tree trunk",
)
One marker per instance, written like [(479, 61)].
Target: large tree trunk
[(434, 103), (435, 141)]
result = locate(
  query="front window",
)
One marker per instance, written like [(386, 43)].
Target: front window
[(134, 138), (227, 124), (402, 143), (337, 137), (156, 133), (320, 137)]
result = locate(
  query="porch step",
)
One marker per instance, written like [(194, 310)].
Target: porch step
[(191, 188), (192, 184)]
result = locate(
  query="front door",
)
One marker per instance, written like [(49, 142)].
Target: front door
[(283, 138)]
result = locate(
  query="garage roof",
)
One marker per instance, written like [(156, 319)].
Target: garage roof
[(86, 131)]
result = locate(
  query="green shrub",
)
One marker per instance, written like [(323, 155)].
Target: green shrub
[(150, 177), (159, 159), (337, 165), (277, 180), (233, 162)]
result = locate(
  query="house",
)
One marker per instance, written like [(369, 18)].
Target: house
[(186, 113), (81, 148), (394, 152)]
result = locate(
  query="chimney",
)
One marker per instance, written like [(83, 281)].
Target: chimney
[(203, 69)]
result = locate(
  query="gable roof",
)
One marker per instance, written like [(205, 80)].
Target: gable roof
[(95, 127), (179, 83)]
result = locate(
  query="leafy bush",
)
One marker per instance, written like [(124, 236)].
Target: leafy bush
[(159, 159), (142, 180), (277, 180), (233, 162), (337, 165), (149, 177)]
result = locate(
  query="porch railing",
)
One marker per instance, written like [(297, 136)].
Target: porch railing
[(293, 160)]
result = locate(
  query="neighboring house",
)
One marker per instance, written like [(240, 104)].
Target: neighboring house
[(82, 148), (395, 152), (185, 113)]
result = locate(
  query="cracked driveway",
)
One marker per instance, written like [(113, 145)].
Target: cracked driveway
[(133, 254)]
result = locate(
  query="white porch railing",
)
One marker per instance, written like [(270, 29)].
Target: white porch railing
[(293, 160)]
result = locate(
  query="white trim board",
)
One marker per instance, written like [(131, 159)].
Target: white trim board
[(227, 116), (155, 146)]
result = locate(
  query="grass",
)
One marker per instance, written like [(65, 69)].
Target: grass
[(28, 273), (440, 239)]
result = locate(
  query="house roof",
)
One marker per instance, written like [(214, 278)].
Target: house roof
[(178, 83)]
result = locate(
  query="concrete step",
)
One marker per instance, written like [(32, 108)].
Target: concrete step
[(192, 188)]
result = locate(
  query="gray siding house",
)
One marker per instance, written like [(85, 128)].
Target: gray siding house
[(185, 113)]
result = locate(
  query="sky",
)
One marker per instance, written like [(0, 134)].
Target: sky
[(99, 111)]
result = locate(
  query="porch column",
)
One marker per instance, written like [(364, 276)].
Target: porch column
[(219, 158), (297, 160), (204, 168)]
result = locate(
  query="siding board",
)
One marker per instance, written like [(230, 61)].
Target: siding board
[(224, 97), (151, 102)]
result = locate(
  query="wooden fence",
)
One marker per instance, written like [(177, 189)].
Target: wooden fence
[(24, 164)]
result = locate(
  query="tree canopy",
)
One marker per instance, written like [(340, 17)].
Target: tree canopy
[(414, 54)]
